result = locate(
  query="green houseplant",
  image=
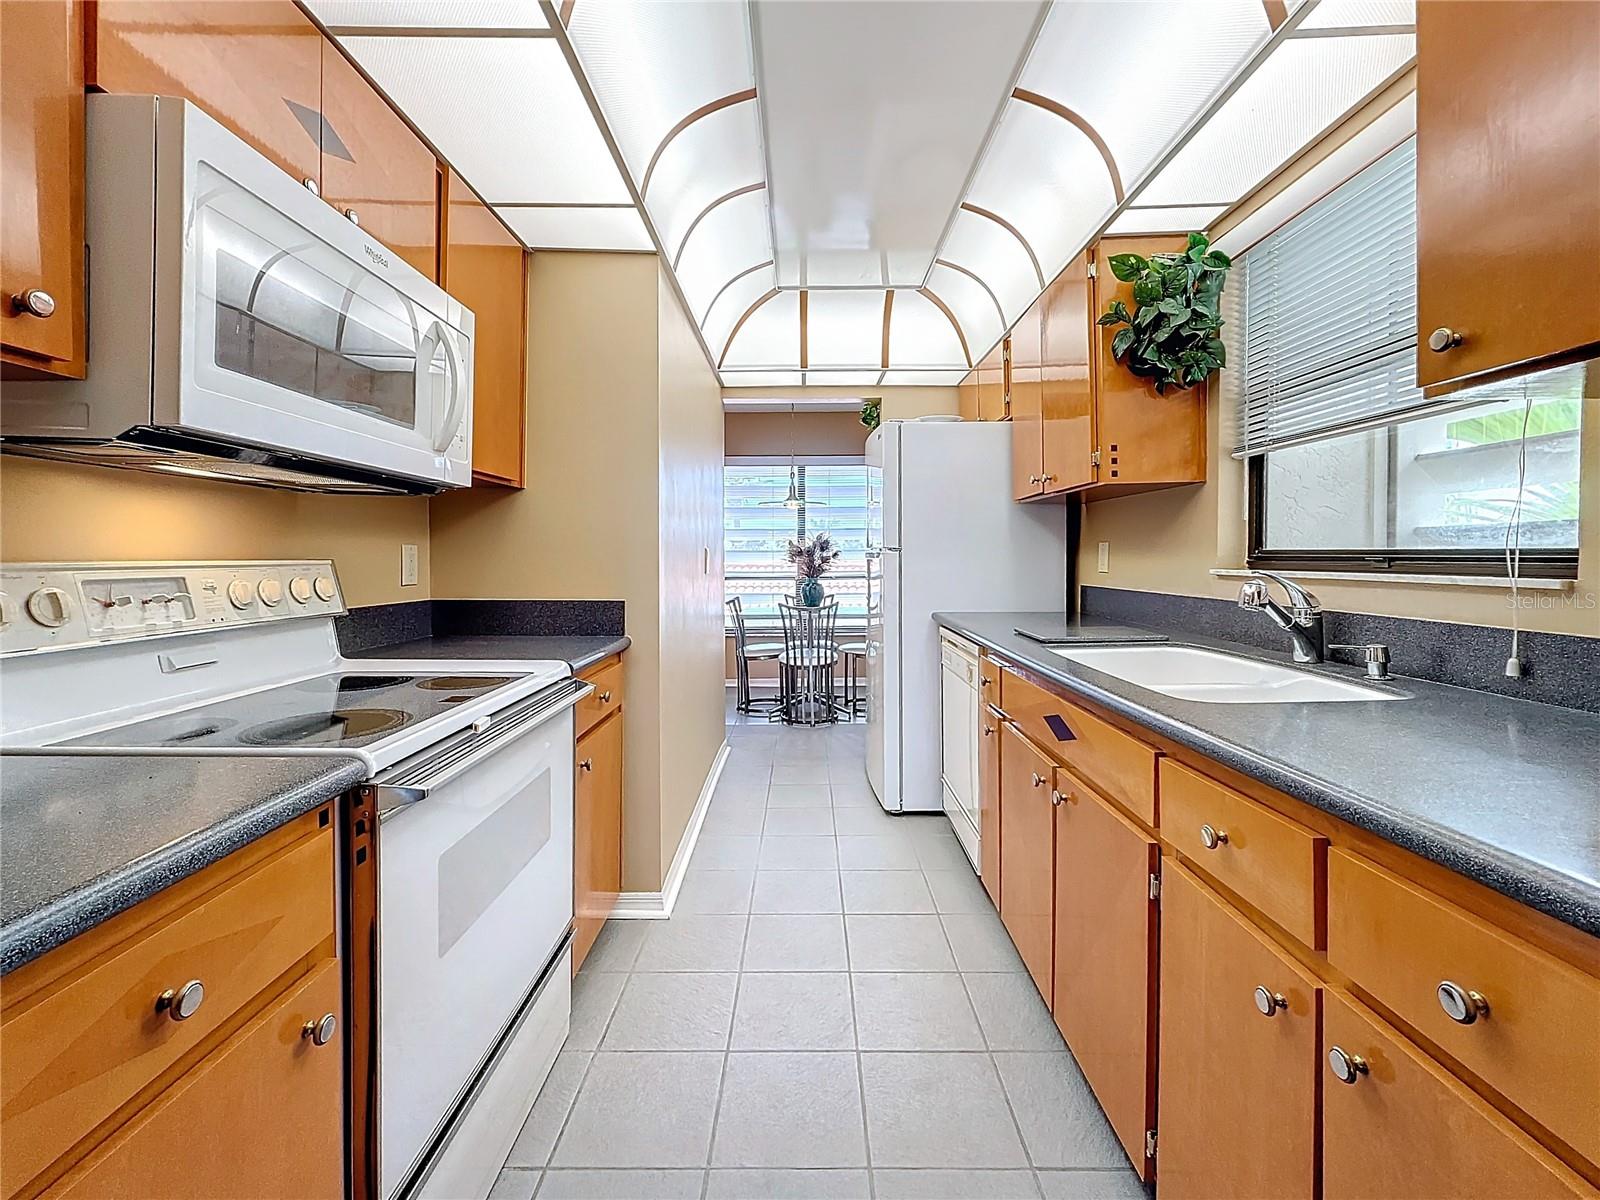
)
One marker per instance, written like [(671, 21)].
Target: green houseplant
[(872, 413), (1171, 336)]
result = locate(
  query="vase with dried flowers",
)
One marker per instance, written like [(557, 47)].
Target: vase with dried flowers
[(812, 558)]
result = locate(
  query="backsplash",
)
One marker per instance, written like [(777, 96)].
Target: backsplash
[(364, 629), (1558, 668)]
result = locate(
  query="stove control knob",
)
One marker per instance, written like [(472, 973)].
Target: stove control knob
[(325, 588), (241, 594), (300, 589), (271, 592), (50, 606)]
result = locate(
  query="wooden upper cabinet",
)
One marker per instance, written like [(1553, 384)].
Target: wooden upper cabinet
[(1238, 1088), (1144, 439), (484, 268), (1105, 956), (1027, 849), (1027, 442), (989, 724), (1067, 440), (254, 65), (1403, 1126), (374, 166), (41, 142), (1508, 183), (967, 396), (992, 385)]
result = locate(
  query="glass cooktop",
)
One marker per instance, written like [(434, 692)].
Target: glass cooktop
[(330, 711)]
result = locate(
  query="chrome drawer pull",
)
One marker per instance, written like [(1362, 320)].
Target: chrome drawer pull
[(1038, 779), (1346, 1067), (1269, 1002), (1460, 1004), (586, 765), (320, 1032), (1212, 838), (183, 1003)]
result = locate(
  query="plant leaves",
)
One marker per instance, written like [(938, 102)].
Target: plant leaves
[(1111, 318), (1146, 316), (1217, 260), (1147, 289), (1128, 267), (1120, 343), (1174, 307)]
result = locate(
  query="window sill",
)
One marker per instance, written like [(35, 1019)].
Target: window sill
[(1399, 579)]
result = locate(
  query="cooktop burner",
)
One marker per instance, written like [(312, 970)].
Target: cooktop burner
[(462, 683), (325, 728), (367, 683)]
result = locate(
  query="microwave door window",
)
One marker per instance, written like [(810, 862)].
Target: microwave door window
[(375, 369)]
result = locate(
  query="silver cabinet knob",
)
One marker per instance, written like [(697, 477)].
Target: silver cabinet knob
[(604, 697), (311, 186), (586, 765), (1442, 339), (1057, 799), (35, 302), (1211, 837), (1268, 1002), (1039, 780), (183, 1003), (1346, 1067), (1047, 479), (320, 1032), (1460, 1004), (352, 216), (988, 731)]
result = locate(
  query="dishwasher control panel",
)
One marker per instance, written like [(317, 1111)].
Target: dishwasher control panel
[(47, 606)]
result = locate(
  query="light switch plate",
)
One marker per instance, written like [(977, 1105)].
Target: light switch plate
[(1103, 559), (408, 565)]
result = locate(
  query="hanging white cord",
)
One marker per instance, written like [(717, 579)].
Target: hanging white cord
[(1514, 537)]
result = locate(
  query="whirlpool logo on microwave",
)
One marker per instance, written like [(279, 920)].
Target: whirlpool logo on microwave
[(381, 259)]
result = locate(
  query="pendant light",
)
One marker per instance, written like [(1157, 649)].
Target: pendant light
[(792, 501)]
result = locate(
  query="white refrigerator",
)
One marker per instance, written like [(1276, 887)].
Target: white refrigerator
[(943, 535)]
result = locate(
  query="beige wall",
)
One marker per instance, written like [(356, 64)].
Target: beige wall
[(779, 433), (63, 512), (624, 453), (899, 403)]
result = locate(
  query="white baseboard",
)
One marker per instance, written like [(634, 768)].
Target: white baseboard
[(657, 906)]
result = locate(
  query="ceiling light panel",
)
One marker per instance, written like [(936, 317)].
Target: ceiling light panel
[(578, 228), (975, 308), (731, 304), (761, 379), (1299, 92), (920, 335), (770, 337), (923, 378), (844, 329), (652, 65), (842, 378), (997, 257), (718, 154), (1181, 219), (429, 14), (867, 159), (510, 118), (1359, 14), (1080, 62), (732, 237)]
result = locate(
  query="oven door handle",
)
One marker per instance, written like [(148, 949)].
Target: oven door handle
[(391, 796)]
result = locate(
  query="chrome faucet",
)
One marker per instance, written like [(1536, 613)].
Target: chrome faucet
[(1302, 619)]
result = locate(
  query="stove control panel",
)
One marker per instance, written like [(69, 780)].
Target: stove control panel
[(45, 606)]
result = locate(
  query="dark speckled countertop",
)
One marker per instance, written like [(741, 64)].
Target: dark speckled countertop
[(85, 836), (578, 652), (1503, 791)]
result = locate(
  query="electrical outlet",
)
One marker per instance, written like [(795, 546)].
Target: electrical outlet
[(408, 565), (1103, 559)]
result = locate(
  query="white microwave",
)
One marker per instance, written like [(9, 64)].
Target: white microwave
[(240, 327)]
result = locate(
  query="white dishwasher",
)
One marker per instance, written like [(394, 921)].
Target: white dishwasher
[(959, 706)]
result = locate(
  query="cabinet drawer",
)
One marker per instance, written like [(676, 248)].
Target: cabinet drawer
[(606, 697), (1120, 767), (989, 681), (89, 1043), (260, 1118), (1406, 1127), (1538, 1043), (1267, 860)]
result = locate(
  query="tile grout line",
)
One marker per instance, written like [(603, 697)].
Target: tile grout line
[(855, 1027)]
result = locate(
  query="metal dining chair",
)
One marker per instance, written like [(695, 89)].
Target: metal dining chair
[(855, 656), (805, 668), (746, 652)]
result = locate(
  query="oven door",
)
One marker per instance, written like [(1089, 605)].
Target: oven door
[(300, 332), (474, 895)]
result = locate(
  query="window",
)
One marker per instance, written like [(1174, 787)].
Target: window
[(1350, 465), (757, 529)]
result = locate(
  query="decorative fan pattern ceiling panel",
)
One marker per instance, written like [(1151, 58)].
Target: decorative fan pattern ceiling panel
[(552, 228), (770, 335), (429, 14)]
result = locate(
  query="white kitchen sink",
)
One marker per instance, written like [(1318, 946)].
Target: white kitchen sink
[(1212, 677)]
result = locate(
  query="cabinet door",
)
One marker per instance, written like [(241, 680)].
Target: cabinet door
[(597, 833), (1105, 958), (1508, 221), (1403, 1126), (1143, 438), (1027, 848), (989, 832), (375, 167), (262, 1116), (1067, 397), (254, 65), (41, 140), (992, 385), (484, 268), (1238, 1088), (1027, 444)]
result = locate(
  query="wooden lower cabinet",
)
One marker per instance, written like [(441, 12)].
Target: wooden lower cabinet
[(597, 808), (989, 834), (261, 1117), (1104, 997), (1237, 1095), (1027, 834), (1405, 1127)]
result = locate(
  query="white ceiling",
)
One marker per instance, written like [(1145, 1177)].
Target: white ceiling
[(865, 192)]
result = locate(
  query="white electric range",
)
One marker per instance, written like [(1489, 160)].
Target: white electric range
[(457, 851)]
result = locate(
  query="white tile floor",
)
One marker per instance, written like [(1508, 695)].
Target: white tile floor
[(833, 1011)]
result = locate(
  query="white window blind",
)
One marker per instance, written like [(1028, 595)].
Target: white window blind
[(1329, 315)]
